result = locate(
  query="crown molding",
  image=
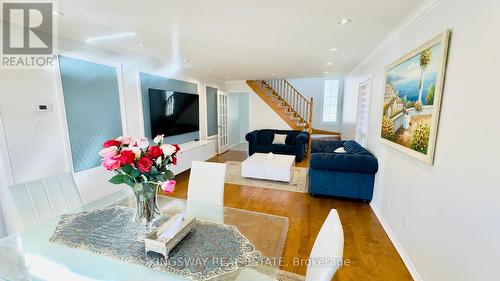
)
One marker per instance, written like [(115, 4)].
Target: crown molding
[(409, 22)]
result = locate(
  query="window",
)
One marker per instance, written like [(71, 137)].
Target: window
[(330, 101), (169, 104)]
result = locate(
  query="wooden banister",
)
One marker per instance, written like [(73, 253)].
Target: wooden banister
[(290, 105), (300, 106)]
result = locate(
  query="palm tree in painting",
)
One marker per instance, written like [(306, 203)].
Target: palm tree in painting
[(425, 59)]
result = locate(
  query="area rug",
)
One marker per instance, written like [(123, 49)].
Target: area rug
[(219, 249), (299, 182)]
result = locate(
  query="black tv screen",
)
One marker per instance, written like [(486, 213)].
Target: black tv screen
[(173, 113)]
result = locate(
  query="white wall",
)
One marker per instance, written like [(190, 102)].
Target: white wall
[(315, 88), (237, 86), (38, 153), (262, 115), (34, 138), (452, 208), (4, 178)]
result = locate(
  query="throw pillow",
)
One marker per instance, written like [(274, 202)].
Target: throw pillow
[(340, 150), (279, 139)]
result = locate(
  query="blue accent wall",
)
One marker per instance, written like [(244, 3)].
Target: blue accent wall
[(244, 112), (212, 111), (92, 102), (149, 81)]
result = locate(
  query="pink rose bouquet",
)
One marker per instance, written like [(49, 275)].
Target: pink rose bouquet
[(143, 166)]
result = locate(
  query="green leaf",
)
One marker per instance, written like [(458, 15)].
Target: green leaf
[(154, 171), (130, 182), (118, 179), (127, 169), (135, 173)]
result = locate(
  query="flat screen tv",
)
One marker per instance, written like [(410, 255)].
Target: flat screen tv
[(173, 113)]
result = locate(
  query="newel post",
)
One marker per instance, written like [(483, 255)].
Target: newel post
[(311, 106)]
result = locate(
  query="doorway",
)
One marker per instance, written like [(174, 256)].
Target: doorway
[(239, 121)]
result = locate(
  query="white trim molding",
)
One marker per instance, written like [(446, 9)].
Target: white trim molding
[(399, 248)]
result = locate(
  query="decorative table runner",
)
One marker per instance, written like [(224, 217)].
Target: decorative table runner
[(209, 251)]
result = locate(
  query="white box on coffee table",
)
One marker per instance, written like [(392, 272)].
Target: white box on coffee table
[(276, 167)]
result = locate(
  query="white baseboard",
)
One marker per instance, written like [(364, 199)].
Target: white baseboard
[(401, 251)]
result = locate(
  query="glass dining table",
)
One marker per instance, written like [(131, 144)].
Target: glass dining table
[(32, 255)]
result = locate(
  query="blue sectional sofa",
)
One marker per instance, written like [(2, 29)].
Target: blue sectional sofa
[(350, 174), (262, 141)]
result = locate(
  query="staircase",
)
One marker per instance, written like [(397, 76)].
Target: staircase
[(290, 105)]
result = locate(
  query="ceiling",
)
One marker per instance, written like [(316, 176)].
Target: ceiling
[(237, 39)]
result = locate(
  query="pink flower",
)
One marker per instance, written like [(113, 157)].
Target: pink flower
[(109, 152), (125, 140), (168, 186), (111, 163), (142, 143)]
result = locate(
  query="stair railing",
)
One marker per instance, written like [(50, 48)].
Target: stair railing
[(292, 98)]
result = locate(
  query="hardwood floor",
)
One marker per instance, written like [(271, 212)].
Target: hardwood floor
[(367, 247)]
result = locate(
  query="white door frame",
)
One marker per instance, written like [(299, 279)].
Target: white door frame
[(222, 122), (367, 81)]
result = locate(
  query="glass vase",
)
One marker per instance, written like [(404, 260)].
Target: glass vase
[(146, 203)]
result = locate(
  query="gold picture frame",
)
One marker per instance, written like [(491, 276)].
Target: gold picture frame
[(413, 90)]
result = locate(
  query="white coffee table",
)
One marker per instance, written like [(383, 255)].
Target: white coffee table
[(276, 167)]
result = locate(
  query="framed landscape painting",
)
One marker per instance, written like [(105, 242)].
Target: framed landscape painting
[(412, 99)]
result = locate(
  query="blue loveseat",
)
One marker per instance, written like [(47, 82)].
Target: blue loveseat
[(262, 141), (350, 174)]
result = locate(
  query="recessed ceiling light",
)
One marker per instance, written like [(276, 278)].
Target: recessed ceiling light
[(328, 63), (210, 70), (273, 74), (227, 76), (141, 45), (185, 60), (334, 50), (110, 37), (344, 21), (57, 13), (325, 72)]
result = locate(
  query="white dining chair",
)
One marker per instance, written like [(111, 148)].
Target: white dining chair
[(325, 258), (328, 244), (40, 200), (206, 183), (205, 199)]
